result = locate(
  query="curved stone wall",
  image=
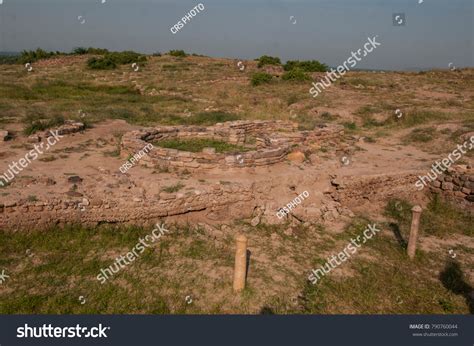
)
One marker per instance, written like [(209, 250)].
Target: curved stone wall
[(273, 141)]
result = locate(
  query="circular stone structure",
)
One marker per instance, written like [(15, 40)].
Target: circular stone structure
[(273, 141)]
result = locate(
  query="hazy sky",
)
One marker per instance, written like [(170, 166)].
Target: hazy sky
[(437, 32)]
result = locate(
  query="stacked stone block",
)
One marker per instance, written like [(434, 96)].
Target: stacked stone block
[(457, 183)]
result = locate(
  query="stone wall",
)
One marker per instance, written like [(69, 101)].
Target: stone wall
[(22, 214), (457, 184)]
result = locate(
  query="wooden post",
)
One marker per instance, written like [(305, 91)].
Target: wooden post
[(415, 224), (240, 269)]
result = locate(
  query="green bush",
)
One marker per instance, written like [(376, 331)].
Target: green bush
[(178, 53), (112, 59), (296, 74), (101, 64), (35, 55), (98, 51), (268, 60), (90, 50), (306, 66), (261, 78), (126, 57), (8, 59), (79, 51)]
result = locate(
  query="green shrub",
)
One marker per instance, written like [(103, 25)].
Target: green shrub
[(178, 53), (268, 60), (101, 63), (79, 51), (112, 59), (126, 57), (306, 66), (9, 59), (90, 50), (98, 51), (173, 188), (261, 78), (35, 55), (296, 74), (350, 126)]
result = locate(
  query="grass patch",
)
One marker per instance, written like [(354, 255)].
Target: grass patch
[(422, 135), (196, 145), (417, 117), (34, 125), (307, 122), (173, 188), (440, 218), (408, 294), (54, 277)]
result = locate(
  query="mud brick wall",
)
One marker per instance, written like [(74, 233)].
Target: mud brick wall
[(352, 189), (22, 214), (458, 183)]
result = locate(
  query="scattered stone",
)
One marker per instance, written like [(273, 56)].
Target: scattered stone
[(74, 194), (209, 151), (46, 181), (467, 136), (167, 196), (34, 138), (4, 135), (336, 182), (288, 232), (255, 221), (69, 127), (74, 179), (447, 186), (296, 156)]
